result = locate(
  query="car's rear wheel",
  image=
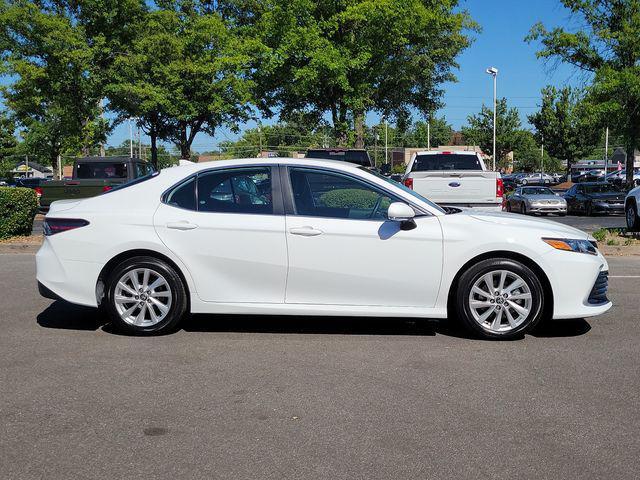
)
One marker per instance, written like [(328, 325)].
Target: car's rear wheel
[(145, 296), (499, 299), (631, 214), (523, 208)]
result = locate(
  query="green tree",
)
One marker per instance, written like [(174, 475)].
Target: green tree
[(479, 130), (562, 125), (350, 57), (8, 143), (607, 46), (527, 155), (439, 131), (53, 91)]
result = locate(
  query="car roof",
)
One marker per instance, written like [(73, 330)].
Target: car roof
[(448, 152), (316, 162)]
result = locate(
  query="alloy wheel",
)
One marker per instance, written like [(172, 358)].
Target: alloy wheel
[(142, 297), (500, 301)]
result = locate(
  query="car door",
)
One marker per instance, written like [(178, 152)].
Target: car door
[(228, 227), (344, 251)]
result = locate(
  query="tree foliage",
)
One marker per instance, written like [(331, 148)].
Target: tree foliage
[(563, 126), (608, 46), (479, 130), (349, 57)]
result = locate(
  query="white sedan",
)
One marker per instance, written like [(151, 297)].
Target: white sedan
[(310, 237)]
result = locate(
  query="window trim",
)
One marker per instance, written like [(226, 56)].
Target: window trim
[(276, 190), (290, 209)]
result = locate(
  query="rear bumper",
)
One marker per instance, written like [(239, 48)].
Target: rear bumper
[(493, 207)]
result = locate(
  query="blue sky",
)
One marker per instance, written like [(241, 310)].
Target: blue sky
[(504, 24)]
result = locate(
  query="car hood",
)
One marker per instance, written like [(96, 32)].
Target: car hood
[(533, 198), (512, 220)]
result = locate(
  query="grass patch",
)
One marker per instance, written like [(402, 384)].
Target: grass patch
[(616, 237)]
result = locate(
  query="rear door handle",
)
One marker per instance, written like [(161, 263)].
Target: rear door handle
[(305, 231), (181, 225)]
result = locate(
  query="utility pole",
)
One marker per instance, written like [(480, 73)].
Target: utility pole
[(139, 144), (260, 139), (130, 139), (606, 152), (102, 118), (542, 156), (428, 134), (493, 71), (386, 143), (375, 147), (59, 168)]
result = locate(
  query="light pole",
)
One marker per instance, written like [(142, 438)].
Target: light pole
[(493, 71)]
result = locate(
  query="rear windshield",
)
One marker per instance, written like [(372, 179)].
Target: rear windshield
[(359, 157), (101, 170), (138, 180), (442, 161)]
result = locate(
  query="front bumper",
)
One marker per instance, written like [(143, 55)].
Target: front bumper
[(547, 208), (608, 207)]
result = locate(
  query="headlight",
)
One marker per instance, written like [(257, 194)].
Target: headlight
[(571, 245)]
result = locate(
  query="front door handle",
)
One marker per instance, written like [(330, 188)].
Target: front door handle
[(181, 225), (305, 231)]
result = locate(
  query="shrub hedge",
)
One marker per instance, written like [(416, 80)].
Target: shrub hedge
[(18, 208), (349, 198)]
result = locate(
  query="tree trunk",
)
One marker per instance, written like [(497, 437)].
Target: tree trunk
[(631, 149), (154, 147), (359, 127), (185, 145)]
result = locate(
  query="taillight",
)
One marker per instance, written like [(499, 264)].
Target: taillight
[(408, 182), (38, 191), (106, 188), (499, 188), (51, 226)]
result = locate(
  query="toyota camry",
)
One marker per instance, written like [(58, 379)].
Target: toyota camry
[(310, 237)]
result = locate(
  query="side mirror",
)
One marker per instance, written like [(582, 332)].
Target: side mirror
[(402, 213)]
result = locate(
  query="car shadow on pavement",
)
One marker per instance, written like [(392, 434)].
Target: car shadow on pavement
[(308, 325), (562, 328), (67, 316)]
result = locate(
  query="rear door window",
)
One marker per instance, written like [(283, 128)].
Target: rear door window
[(238, 190)]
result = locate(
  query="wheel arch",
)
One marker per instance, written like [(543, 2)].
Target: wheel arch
[(544, 280), (122, 256)]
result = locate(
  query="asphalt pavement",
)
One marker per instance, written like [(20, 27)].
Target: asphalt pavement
[(234, 397)]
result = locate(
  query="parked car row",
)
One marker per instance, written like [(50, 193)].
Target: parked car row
[(514, 180), (586, 198)]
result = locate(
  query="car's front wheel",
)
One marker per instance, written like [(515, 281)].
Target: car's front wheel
[(145, 295), (631, 213), (499, 299)]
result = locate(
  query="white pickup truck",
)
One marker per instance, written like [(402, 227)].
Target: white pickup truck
[(454, 178)]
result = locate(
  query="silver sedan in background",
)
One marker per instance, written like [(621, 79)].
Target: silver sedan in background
[(536, 200)]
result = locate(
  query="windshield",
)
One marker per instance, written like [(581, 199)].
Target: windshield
[(537, 191), (360, 157), (604, 188), (404, 188), (446, 161)]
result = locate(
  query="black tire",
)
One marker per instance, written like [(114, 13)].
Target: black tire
[(476, 272), (523, 208), (177, 292), (631, 215), (588, 209), (562, 214)]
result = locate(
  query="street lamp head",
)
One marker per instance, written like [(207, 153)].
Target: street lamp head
[(492, 71)]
